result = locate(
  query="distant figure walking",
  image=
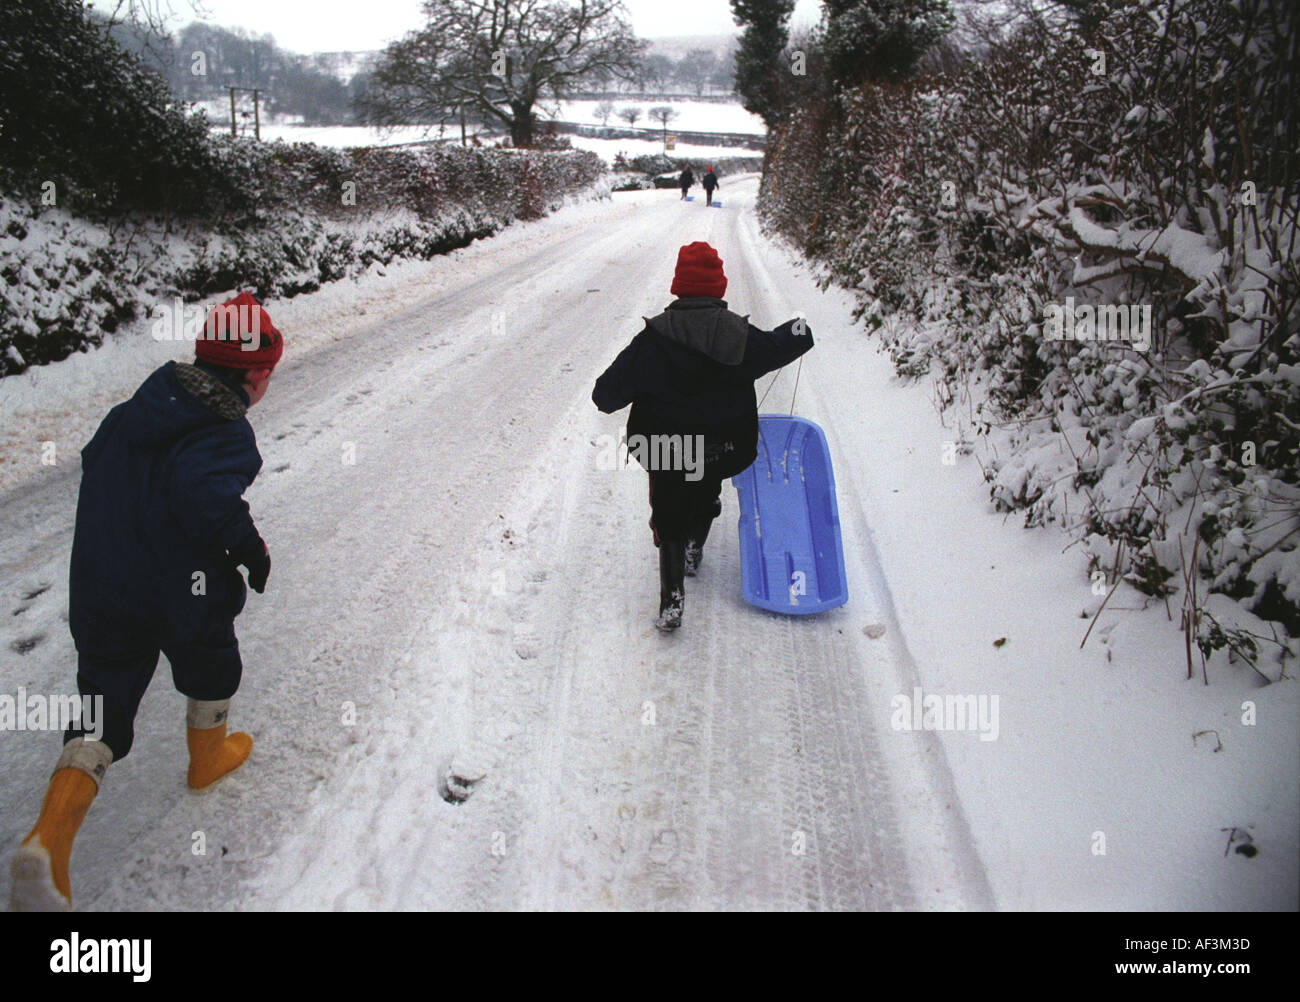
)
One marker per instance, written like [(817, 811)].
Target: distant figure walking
[(686, 180), (710, 181)]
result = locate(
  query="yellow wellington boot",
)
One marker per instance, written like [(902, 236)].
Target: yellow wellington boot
[(39, 871), (213, 752)]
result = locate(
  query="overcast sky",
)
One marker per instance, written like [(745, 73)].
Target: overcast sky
[(334, 25)]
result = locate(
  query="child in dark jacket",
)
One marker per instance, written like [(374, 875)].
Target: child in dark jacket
[(161, 527), (710, 181), (689, 376)]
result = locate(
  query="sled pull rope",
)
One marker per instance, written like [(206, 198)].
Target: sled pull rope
[(775, 377), (797, 371)]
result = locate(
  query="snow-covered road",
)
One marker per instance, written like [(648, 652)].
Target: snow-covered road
[(455, 575)]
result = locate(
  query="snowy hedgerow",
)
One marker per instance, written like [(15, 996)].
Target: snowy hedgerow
[(1145, 155), (113, 194), (282, 227), (82, 115), (58, 286)]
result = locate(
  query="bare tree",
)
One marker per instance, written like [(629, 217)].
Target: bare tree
[(147, 23), (663, 114), (630, 114), (724, 75), (696, 68), (603, 112), (654, 72), (149, 15), (406, 85), (499, 58)]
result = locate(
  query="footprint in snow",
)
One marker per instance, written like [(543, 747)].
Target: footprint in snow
[(25, 645), (663, 849), (458, 779)]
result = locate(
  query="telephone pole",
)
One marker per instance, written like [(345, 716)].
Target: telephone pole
[(257, 112)]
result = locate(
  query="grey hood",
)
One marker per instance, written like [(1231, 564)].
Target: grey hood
[(704, 325)]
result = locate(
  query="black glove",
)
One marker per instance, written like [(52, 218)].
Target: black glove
[(252, 553)]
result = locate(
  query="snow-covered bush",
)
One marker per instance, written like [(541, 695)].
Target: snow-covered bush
[(292, 217), (113, 194), (1149, 157), (85, 125), (56, 293)]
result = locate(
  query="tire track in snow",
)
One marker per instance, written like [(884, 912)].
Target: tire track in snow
[(758, 735), (356, 573), (473, 687), (948, 869), (700, 808)]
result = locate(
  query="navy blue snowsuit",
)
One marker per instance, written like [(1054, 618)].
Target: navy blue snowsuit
[(160, 505), (691, 371)]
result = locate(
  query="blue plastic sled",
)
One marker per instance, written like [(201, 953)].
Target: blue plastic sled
[(690, 198), (791, 553), (715, 205)]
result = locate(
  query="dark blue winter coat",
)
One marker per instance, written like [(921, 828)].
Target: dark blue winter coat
[(161, 500), (691, 371)]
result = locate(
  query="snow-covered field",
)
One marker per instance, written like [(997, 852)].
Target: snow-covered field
[(693, 116), (348, 135), (476, 587), (609, 148), (341, 136)]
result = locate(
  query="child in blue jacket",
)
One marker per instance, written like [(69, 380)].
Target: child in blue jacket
[(161, 528)]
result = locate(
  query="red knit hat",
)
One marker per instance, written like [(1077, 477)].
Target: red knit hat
[(699, 272), (239, 335)]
